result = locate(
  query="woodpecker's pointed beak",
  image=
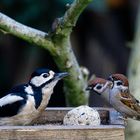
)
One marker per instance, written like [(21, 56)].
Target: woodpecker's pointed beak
[(61, 75)]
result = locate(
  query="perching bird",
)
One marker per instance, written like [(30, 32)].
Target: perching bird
[(121, 98), (118, 95), (100, 86), (24, 103)]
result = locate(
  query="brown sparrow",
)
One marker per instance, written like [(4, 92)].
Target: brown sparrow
[(117, 94), (121, 98), (101, 87)]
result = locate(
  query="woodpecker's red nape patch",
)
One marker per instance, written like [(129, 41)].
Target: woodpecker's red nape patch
[(96, 81), (121, 77)]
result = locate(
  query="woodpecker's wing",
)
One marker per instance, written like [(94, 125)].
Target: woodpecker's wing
[(16, 89), (11, 104), (130, 101), (19, 88)]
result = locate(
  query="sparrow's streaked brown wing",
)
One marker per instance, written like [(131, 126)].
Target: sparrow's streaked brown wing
[(129, 100)]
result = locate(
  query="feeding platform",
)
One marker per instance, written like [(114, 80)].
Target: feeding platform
[(50, 127)]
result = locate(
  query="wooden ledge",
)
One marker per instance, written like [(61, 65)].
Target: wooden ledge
[(49, 127)]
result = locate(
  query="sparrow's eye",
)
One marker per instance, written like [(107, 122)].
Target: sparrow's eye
[(99, 87), (119, 83), (45, 75)]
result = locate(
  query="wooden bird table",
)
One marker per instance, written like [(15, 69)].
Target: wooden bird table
[(50, 127)]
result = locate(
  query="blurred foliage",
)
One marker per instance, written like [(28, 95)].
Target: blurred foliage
[(99, 6), (34, 12)]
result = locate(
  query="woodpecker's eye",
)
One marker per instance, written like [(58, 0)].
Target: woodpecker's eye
[(99, 87), (119, 83), (45, 75)]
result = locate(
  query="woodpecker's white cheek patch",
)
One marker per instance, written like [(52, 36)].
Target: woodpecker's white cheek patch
[(51, 73), (9, 99), (29, 90), (39, 80)]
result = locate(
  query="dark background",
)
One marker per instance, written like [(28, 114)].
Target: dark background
[(101, 40)]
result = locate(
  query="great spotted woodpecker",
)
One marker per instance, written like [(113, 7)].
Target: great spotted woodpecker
[(24, 103)]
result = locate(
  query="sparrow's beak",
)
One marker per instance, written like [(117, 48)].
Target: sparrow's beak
[(61, 75), (111, 80), (89, 88), (110, 84)]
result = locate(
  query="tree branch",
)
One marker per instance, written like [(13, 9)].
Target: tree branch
[(68, 21), (59, 46), (72, 14), (24, 32), (65, 59)]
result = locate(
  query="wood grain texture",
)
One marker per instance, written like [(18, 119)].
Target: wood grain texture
[(62, 133), (49, 127)]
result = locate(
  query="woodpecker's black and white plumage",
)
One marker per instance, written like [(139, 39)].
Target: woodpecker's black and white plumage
[(24, 103)]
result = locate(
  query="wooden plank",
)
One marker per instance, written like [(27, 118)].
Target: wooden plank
[(55, 127), (105, 132)]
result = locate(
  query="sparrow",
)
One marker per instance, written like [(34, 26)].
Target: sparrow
[(24, 103), (118, 95), (101, 87), (121, 98)]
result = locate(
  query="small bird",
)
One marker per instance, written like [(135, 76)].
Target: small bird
[(121, 98), (24, 103), (101, 87), (118, 95)]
